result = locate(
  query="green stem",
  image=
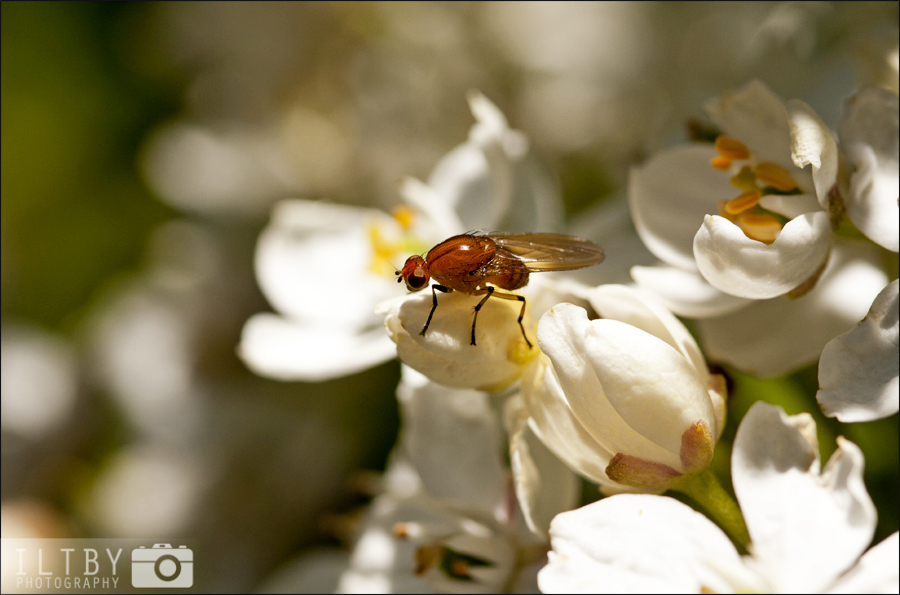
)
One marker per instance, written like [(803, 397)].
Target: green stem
[(705, 489)]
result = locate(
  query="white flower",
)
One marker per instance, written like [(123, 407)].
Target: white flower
[(421, 545), (777, 336), (325, 267), (809, 528), (444, 353), (858, 371), (721, 275), (453, 443), (446, 522), (545, 486), (740, 249), (626, 400), (869, 139)]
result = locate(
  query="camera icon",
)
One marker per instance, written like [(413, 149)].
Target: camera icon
[(162, 566)]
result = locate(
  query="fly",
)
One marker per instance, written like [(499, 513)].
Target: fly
[(479, 263)]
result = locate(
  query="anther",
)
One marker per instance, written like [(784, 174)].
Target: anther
[(720, 163), (723, 212), (772, 174), (745, 201), (760, 227), (732, 148), (400, 531), (459, 568), (403, 215)]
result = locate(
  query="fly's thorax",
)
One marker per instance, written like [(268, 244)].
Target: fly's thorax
[(464, 246), (456, 259)]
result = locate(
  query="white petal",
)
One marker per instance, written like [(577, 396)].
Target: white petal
[(544, 485), (735, 264), (279, 348), (445, 354), (758, 118), (490, 181), (878, 571), (236, 168), (869, 138), (806, 528), (632, 392), (313, 260), (634, 307), (858, 371), (453, 439), (524, 196), (790, 205), (641, 544), (812, 143), (462, 179), (655, 389), (554, 423), (670, 195), (773, 337), (686, 292), (439, 220), (381, 562), (610, 224)]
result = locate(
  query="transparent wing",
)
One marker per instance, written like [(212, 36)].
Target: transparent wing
[(547, 251)]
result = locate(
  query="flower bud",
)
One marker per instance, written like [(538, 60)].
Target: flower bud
[(445, 353), (638, 401)]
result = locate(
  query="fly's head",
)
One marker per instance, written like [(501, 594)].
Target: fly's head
[(414, 273)]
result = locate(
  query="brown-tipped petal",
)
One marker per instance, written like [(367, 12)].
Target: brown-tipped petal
[(807, 285), (640, 473), (697, 446), (426, 556)]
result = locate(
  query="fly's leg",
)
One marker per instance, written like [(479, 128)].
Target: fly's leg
[(489, 291), (506, 296), (434, 307)]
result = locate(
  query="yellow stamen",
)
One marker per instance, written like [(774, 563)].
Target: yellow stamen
[(744, 180), (759, 226), (400, 530), (382, 251), (772, 174), (721, 163), (745, 201), (723, 212), (732, 148), (404, 216)]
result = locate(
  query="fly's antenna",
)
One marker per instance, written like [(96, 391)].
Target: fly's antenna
[(396, 272)]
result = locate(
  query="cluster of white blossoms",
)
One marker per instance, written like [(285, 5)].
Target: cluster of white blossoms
[(607, 383)]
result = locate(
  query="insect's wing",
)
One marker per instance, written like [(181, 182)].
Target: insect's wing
[(548, 251)]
